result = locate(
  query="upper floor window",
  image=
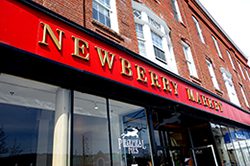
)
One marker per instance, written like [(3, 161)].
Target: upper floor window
[(104, 11), (217, 47), (244, 96), (198, 28), (247, 74), (241, 71), (176, 9), (230, 59), (227, 77), (140, 39), (153, 36), (212, 74), (189, 59)]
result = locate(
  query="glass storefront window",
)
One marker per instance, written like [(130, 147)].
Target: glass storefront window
[(129, 133), (29, 123), (229, 145), (90, 131), (220, 144)]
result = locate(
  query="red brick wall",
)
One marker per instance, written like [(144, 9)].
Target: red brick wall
[(80, 11)]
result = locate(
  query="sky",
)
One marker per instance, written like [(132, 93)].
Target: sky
[(233, 17)]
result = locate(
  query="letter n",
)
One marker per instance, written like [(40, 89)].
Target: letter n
[(48, 30)]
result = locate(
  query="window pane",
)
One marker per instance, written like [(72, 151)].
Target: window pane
[(130, 138), (27, 120), (90, 130), (101, 12)]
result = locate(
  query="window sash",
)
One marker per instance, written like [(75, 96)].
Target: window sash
[(230, 59), (176, 9), (190, 61), (101, 13), (159, 54), (198, 28), (244, 96), (241, 71), (212, 74)]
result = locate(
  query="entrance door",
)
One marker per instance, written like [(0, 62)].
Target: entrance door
[(204, 156)]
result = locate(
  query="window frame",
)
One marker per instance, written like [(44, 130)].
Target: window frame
[(176, 10), (111, 9), (199, 30), (189, 59), (244, 96), (217, 47), (212, 74)]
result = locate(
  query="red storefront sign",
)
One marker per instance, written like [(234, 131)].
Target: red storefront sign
[(33, 31)]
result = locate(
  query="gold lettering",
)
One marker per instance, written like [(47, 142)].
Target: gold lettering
[(141, 74), (175, 85), (77, 47), (105, 58), (190, 94), (47, 29), (210, 103), (126, 67), (216, 106), (204, 100), (220, 107), (154, 79), (198, 99), (166, 85)]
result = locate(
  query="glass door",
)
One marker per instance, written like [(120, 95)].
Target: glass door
[(205, 156)]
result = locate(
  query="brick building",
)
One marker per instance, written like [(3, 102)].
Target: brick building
[(120, 83)]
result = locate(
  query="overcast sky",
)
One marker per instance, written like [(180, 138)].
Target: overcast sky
[(234, 18)]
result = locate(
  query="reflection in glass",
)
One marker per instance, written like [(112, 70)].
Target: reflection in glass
[(220, 144), (90, 131), (27, 110), (236, 145), (130, 138)]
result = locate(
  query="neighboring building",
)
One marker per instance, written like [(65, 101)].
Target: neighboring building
[(120, 83)]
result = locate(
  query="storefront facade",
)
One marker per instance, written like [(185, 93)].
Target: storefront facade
[(71, 97)]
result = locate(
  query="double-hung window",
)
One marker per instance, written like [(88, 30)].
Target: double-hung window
[(198, 28), (227, 77), (153, 36), (176, 9), (101, 11), (241, 71), (217, 46), (189, 59), (140, 39), (158, 48), (212, 74), (247, 74), (104, 11), (230, 59), (244, 96)]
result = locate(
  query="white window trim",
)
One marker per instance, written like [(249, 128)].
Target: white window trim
[(227, 77), (217, 46), (230, 59), (164, 32), (189, 58), (212, 74), (198, 28)]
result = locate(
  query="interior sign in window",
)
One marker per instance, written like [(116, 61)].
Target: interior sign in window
[(131, 141)]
